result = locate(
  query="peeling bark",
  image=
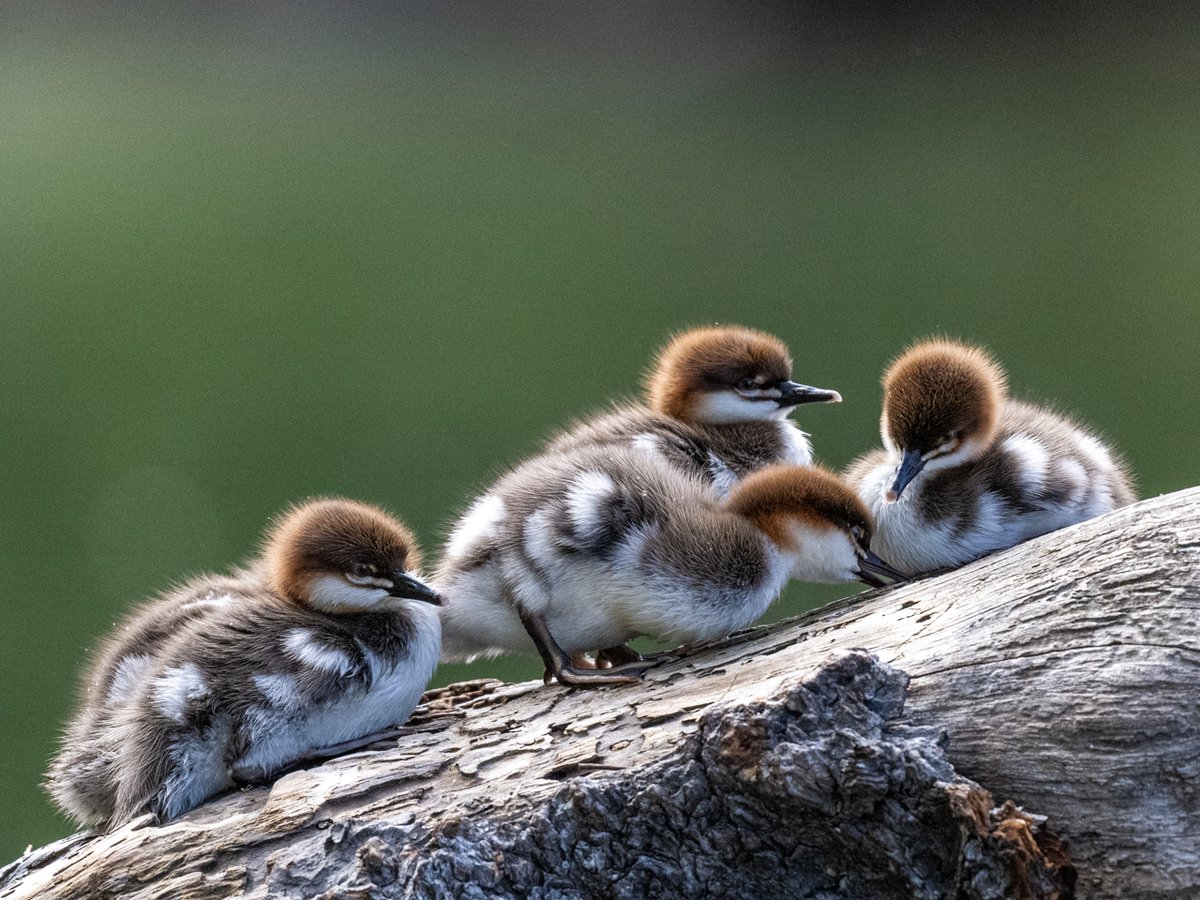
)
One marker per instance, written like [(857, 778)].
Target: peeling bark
[(1061, 675)]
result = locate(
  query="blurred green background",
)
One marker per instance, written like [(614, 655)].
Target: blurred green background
[(250, 253)]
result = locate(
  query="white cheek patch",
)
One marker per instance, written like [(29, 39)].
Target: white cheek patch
[(332, 593), (966, 451), (176, 688), (127, 677), (369, 581), (822, 555), (586, 499), (727, 407), (479, 521), (304, 646)]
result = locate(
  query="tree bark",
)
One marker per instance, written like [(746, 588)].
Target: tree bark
[(1062, 675)]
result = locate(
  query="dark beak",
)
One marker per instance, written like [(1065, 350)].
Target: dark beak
[(910, 466), (872, 567), (410, 588), (792, 394)]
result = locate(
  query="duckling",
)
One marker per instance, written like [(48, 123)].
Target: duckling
[(80, 779), (592, 546), (718, 401), (340, 641), (967, 471)]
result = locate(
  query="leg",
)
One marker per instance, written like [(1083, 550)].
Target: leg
[(616, 659), (558, 663), (620, 655)]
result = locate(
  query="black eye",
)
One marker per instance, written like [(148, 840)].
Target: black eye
[(747, 384), (857, 532), (361, 570)]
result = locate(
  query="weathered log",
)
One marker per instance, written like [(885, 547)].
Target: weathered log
[(1064, 675)]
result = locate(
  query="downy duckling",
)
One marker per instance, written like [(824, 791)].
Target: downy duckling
[(341, 642), (967, 471), (594, 546), (80, 779), (718, 401)]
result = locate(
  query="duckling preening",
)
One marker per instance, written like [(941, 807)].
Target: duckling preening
[(965, 470), (590, 547)]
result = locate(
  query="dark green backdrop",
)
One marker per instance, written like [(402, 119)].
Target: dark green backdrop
[(249, 255)]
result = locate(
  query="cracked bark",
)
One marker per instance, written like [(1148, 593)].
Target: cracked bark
[(1061, 676)]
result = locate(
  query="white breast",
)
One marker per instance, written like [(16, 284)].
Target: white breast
[(798, 449), (903, 538), (906, 541), (479, 621), (281, 732), (588, 602)]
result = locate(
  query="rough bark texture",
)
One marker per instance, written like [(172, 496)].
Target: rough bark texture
[(1062, 675)]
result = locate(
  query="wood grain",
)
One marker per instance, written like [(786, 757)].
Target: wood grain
[(1064, 673)]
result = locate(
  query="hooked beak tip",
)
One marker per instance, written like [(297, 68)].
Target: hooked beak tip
[(793, 394), (408, 587), (874, 571), (911, 464)]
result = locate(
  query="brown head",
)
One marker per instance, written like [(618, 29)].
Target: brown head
[(941, 407), (815, 519), (343, 556), (727, 374)]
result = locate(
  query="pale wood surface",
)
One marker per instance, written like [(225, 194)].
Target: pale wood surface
[(1065, 672)]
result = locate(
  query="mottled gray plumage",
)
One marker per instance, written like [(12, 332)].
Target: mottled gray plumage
[(81, 778), (720, 454), (647, 497), (252, 693), (603, 543)]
